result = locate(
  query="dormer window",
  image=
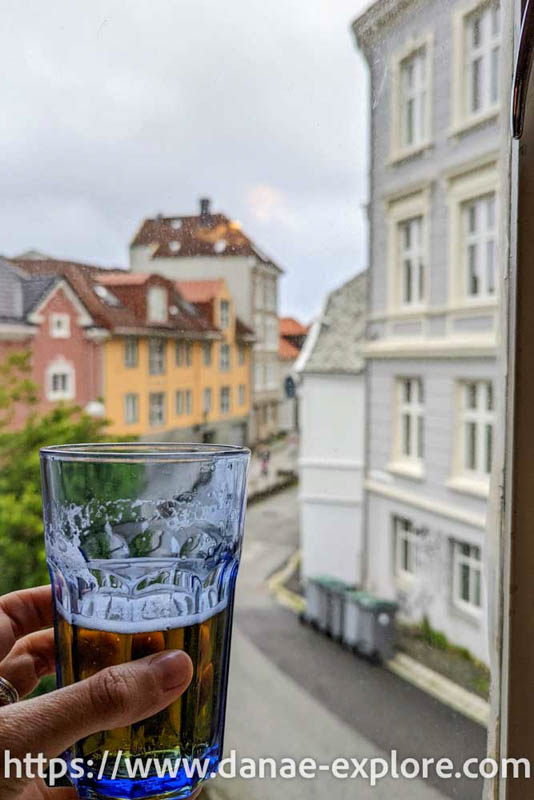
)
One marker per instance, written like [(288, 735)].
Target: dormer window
[(157, 304), (60, 326)]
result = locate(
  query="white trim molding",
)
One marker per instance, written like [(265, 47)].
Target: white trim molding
[(423, 44), (329, 500), (15, 332), (331, 463), (431, 506), (84, 318), (461, 119), (466, 346), (478, 179), (60, 366), (414, 202)]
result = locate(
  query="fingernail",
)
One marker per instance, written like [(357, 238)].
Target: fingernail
[(172, 668)]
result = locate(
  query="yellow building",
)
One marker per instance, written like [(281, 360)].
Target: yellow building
[(176, 363)]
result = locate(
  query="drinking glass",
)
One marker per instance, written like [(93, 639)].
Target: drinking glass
[(143, 544)]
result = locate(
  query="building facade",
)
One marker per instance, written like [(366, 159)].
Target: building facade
[(331, 465), (292, 337), (209, 246), (133, 349), (433, 300)]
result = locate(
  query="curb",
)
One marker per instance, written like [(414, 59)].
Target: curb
[(443, 689), (433, 683)]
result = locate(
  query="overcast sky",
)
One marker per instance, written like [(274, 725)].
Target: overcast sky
[(112, 111)]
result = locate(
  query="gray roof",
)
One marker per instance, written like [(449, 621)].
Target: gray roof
[(337, 343), (34, 288)]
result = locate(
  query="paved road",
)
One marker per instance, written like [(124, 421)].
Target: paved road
[(295, 693)]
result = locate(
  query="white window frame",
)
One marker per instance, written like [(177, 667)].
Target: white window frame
[(259, 380), (157, 304), (400, 149), (207, 353), (461, 560), (225, 400), (400, 210), (131, 347), (224, 314), (59, 325), (160, 421), (60, 366), (188, 402), (131, 408), (480, 416), (224, 357), (404, 542), (242, 394), (462, 117), (471, 182), (478, 240), (412, 254), (156, 362), (411, 464), (207, 399)]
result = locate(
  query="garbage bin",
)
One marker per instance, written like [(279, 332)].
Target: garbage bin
[(351, 619), (335, 594), (315, 602), (376, 629)]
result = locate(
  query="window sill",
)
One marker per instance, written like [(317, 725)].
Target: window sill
[(472, 486), (404, 154), (406, 469), (466, 124), (470, 614)]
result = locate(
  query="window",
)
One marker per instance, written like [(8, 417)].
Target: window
[(184, 354), (242, 394), (225, 314), (156, 409), (207, 400), (476, 57), (207, 348), (482, 44), (478, 419), (179, 403), (188, 401), (411, 419), (60, 326), (479, 246), (131, 351), (258, 326), (405, 547), (467, 576), (241, 355), (156, 356), (225, 400), (258, 292), (60, 380), (157, 304), (258, 377), (271, 333), (411, 262), (131, 408), (269, 294), (224, 357), (413, 100), (271, 375)]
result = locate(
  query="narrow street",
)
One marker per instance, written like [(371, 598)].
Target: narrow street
[(294, 693)]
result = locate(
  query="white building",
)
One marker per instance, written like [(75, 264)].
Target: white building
[(207, 246), (436, 114), (332, 425)]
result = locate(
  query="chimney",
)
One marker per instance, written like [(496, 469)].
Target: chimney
[(205, 203)]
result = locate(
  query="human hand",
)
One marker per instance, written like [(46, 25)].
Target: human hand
[(49, 724)]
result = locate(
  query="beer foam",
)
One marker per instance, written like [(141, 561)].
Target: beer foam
[(129, 627)]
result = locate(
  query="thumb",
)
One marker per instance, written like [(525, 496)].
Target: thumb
[(114, 697)]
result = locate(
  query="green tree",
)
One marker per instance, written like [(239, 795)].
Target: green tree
[(22, 559)]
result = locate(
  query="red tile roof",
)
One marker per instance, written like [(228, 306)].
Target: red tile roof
[(201, 235), (130, 310), (200, 291), (287, 351), (289, 326)]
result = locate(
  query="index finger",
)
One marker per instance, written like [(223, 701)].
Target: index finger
[(23, 612)]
